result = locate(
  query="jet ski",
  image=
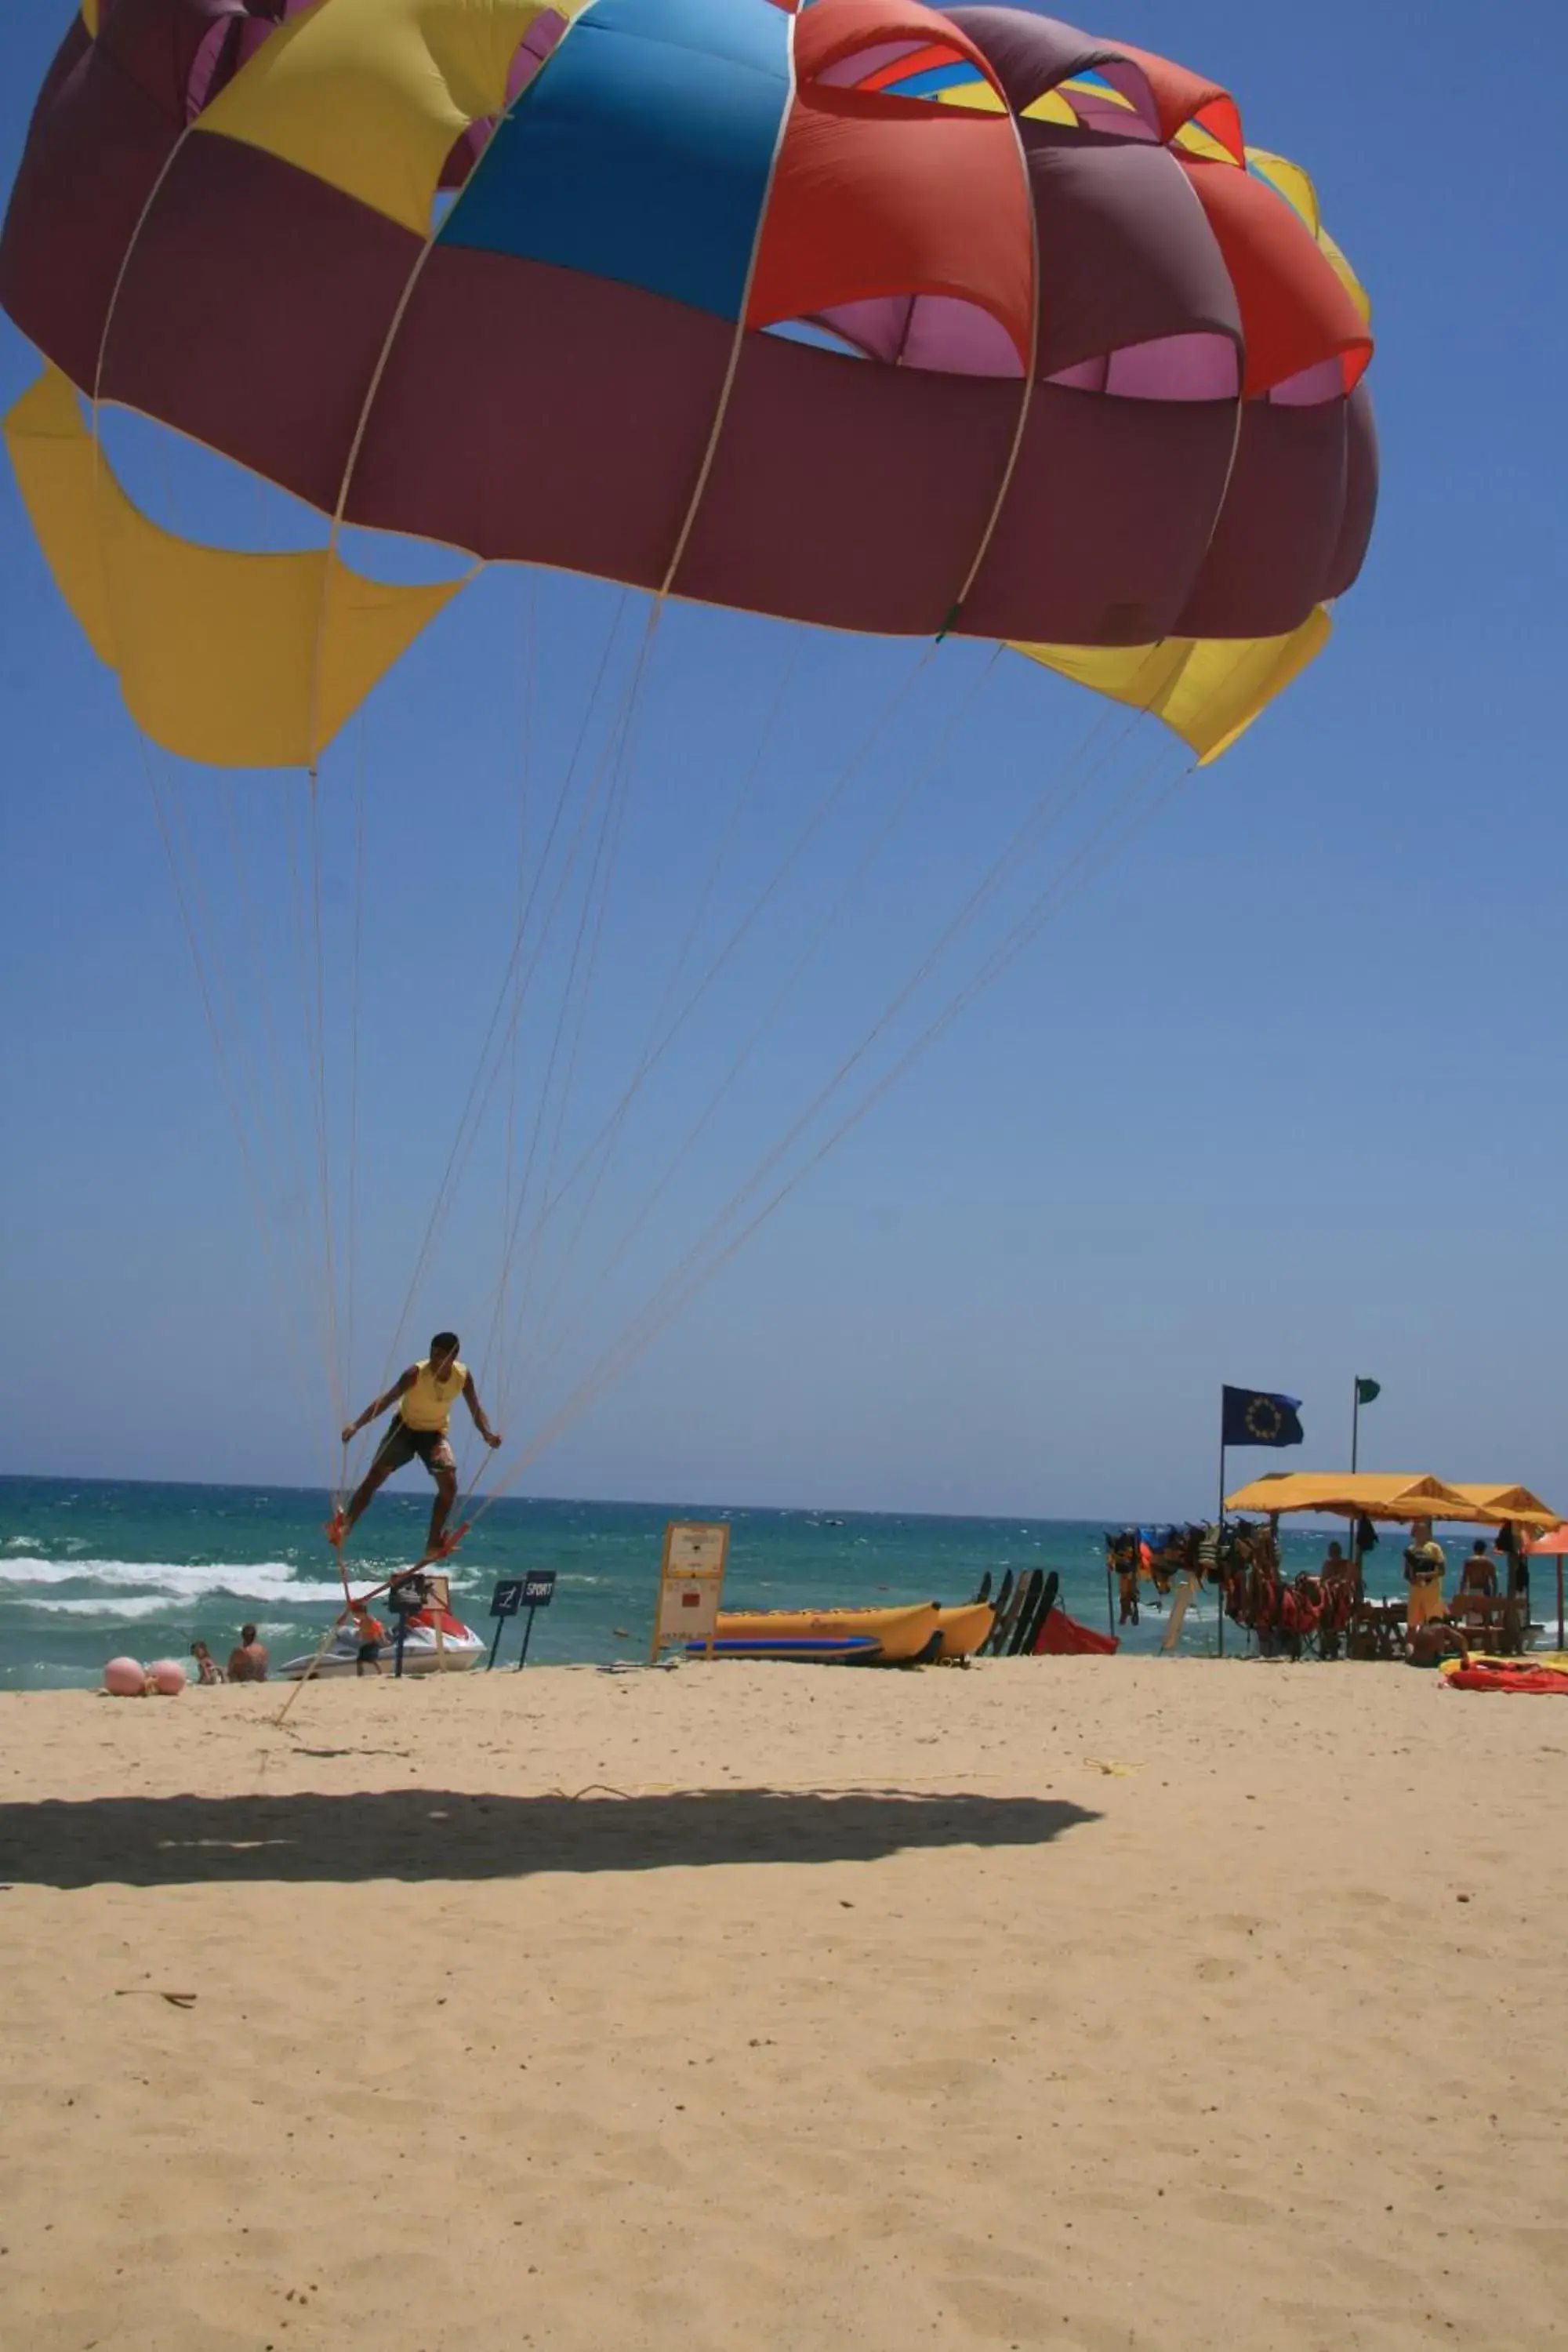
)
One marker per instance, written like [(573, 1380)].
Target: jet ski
[(436, 1643)]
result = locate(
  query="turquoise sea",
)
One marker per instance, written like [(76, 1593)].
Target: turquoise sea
[(90, 1568)]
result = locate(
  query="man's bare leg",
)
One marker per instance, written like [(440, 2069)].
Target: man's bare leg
[(375, 1478), (440, 1511)]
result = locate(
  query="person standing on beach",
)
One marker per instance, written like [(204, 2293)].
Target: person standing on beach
[(425, 1397), (371, 1633), (249, 1662), (1479, 1572), (208, 1670), (1424, 1565)]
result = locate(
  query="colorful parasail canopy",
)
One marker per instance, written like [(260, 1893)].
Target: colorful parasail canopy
[(866, 315)]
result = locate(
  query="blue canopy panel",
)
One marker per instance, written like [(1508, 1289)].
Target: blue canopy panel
[(642, 150)]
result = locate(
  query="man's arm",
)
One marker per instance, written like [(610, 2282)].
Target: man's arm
[(471, 1399), (373, 1412)]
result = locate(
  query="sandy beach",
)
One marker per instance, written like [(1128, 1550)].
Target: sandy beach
[(1092, 2004)]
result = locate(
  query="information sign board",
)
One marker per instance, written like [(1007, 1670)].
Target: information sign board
[(692, 1584)]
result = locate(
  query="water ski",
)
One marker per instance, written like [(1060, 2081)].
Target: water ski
[(1030, 1644), (1018, 1646), (1005, 1595), (1006, 1610)]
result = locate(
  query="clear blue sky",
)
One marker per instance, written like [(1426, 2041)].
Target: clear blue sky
[(1279, 1099)]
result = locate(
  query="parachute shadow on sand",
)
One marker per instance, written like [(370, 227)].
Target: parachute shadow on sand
[(436, 1834)]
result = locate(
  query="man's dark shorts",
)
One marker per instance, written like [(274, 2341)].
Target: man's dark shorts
[(402, 1446)]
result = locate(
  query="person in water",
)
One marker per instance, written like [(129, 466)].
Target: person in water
[(425, 1397)]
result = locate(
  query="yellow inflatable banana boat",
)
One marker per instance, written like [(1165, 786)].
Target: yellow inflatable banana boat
[(887, 1637), (965, 1629)]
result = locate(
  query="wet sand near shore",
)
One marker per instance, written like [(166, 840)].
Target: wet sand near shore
[(1084, 2003)]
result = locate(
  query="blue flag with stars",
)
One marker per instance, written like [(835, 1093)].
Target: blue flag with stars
[(1257, 1417)]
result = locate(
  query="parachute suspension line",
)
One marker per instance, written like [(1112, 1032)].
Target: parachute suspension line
[(692, 1277), (488, 1065), (498, 1318), (246, 1078), (355, 1004), (324, 1132), (373, 393), (299, 913), (1026, 403), (638, 1340), (100, 358), (838, 787), (613, 761), (182, 883), (606, 1143), (689, 1276), (261, 988), (323, 612), (1058, 893), (666, 588), (595, 905), (126, 258), (920, 778)]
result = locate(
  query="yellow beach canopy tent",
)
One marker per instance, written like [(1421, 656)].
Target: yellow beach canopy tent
[(1342, 1494), (1515, 1504)]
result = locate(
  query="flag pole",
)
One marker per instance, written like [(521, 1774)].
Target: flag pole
[(1355, 1443), (1219, 1533)]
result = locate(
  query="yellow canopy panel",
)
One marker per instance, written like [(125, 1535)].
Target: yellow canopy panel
[(1512, 1503), (240, 661), (1364, 1494), (370, 95), (1208, 690)]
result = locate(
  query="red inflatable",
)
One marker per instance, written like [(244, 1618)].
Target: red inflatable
[(1062, 1636), (1534, 1680)]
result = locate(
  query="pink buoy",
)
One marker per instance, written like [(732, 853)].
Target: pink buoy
[(124, 1678), (168, 1678)]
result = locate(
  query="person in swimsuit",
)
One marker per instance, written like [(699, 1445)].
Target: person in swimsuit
[(371, 1633), (249, 1662), (1436, 1639), (425, 1397), (208, 1670), (1480, 1572)]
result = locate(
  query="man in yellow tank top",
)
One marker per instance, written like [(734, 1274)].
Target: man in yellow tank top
[(425, 1397)]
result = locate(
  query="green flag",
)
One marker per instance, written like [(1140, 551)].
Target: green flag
[(1367, 1390)]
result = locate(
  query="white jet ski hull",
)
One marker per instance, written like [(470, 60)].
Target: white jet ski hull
[(458, 1651)]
